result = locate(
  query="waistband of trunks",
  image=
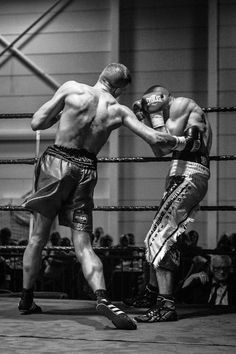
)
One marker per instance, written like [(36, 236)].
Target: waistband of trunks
[(81, 156), (188, 168)]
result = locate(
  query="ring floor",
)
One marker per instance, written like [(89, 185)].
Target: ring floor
[(74, 326)]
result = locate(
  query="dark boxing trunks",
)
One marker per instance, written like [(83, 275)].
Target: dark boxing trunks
[(64, 185)]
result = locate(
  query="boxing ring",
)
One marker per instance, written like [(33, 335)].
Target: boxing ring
[(74, 326)]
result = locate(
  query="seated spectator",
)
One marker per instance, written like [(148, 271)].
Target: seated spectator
[(98, 233), (216, 287), (188, 249), (52, 261), (106, 241), (6, 237), (126, 272), (131, 239), (65, 242), (7, 261), (224, 244)]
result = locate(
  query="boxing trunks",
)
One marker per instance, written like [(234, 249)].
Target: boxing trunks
[(186, 186), (64, 184)]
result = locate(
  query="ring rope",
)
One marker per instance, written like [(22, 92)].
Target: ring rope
[(139, 249), (32, 161), (30, 115), (9, 207)]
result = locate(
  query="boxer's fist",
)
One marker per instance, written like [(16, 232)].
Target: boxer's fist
[(138, 111), (152, 103), (193, 139)]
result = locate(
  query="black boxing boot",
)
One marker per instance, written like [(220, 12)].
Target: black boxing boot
[(163, 311), (118, 317), (26, 305)]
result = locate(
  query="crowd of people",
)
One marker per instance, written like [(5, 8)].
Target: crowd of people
[(203, 277)]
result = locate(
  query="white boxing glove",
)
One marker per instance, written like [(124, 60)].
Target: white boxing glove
[(157, 120)]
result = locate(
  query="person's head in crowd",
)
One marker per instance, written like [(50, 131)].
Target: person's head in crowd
[(23, 242), (220, 268), (98, 233), (106, 241), (192, 238), (224, 243), (124, 241), (188, 240), (131, 239), (55, 238), (65, 242), (5, 236)]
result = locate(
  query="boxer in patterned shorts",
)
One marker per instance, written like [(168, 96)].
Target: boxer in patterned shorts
[(186, 186)]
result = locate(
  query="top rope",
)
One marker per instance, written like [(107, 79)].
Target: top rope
[(30, 115)]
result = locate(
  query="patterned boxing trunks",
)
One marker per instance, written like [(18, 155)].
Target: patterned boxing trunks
[(64, 184), (186, 186)]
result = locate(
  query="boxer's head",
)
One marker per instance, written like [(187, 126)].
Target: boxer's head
[(155, 98), (116, 76)]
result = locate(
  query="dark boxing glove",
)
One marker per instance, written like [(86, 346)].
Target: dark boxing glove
[(152, 102), (191, 141), (193, 138), (138, 111)]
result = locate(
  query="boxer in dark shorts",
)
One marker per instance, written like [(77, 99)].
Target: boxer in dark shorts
[(66, 175), (58, 188), (186, 186)]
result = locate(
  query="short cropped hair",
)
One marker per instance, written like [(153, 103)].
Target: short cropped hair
[(157, 88), (117, 75)]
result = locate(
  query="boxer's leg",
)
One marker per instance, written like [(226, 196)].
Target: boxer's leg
[(32, 262)]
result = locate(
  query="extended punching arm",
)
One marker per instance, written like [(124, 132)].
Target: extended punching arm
[(138, 111)]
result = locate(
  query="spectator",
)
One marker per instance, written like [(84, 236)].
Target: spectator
[(6, 260), (53, 263), (5, 237), (124, 241), (98, 233), (188, 250), (216, 287), (106, 241), (224, 244), (131, 239)]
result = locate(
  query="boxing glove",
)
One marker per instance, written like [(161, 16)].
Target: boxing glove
[(193, 138), (191, 141), (157, 120), (137, 109), (152, 103)]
